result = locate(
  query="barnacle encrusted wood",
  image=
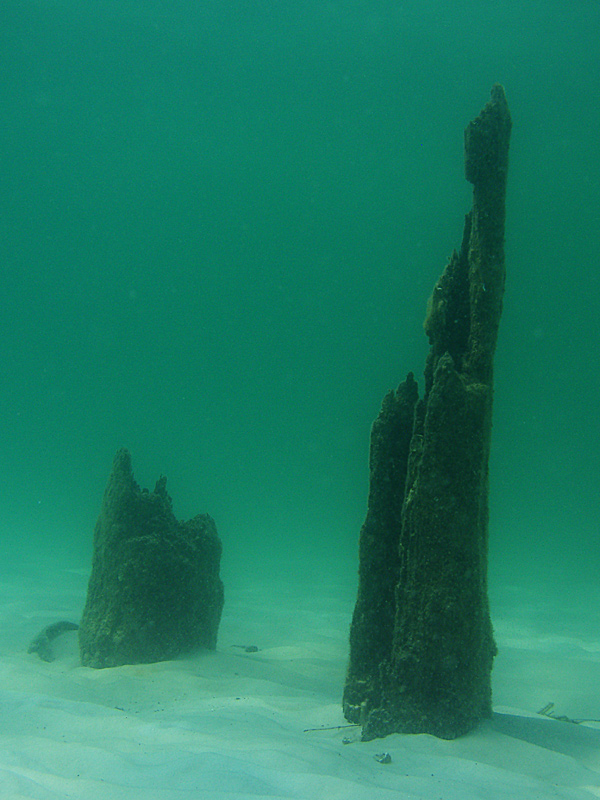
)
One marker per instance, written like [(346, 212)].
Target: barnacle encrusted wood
[(155, 590), (421, 640)]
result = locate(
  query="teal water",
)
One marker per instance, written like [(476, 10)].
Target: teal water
[(220, 223)]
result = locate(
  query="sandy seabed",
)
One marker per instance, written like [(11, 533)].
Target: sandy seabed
[(233, 724)]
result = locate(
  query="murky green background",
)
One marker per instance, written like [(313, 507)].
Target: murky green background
[(219, 226)]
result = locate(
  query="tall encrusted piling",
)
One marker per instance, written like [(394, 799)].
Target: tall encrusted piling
[(421, 640)]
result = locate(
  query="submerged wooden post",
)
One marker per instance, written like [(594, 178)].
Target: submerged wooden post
[(155, 591), (421, 640)]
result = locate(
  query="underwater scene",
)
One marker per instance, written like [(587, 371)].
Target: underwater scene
[(249, 548)]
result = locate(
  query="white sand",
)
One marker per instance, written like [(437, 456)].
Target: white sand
[(231, 724)]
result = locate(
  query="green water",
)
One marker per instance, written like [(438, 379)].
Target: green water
[(220, 223)]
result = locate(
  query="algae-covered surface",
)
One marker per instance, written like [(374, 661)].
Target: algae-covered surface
[(220, 226)]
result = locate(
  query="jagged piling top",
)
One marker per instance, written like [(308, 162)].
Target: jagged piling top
[(487, 140)]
